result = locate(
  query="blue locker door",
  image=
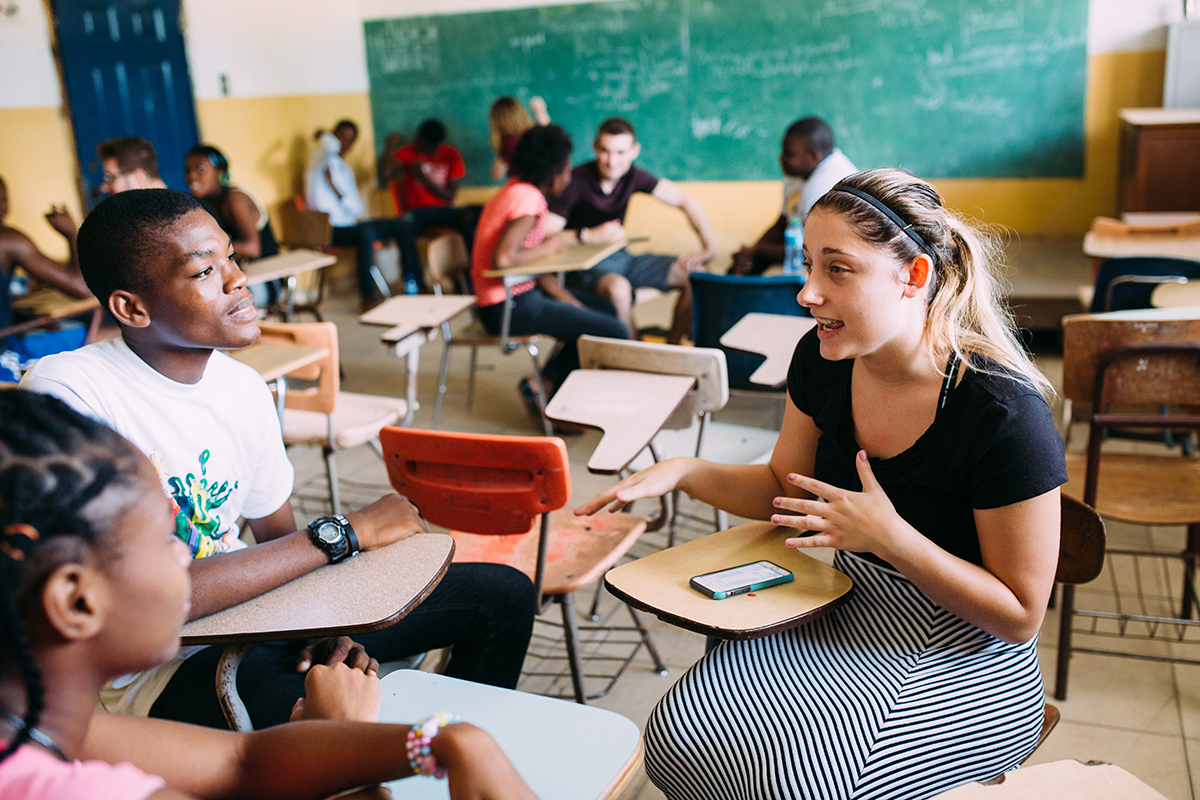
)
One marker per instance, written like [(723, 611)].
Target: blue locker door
[(126, 73)]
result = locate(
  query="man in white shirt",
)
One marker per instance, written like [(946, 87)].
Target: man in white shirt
[(811, 166), (165, 270)]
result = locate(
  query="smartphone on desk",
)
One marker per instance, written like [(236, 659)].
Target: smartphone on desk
[(739, 580)]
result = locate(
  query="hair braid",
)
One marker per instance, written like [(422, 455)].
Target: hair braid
[(53, 463)]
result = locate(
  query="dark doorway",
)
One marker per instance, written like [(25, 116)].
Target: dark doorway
[(126, 73)]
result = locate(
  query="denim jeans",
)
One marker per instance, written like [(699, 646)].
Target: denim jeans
[(484, 611), (536, 312), (404, 229)]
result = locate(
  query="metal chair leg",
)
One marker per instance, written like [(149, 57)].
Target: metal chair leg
[(471, 377), (231, 703), (659, 666), (335, 497), (1190, 557), (571, 634), (380, 283), (1064, 641), (441, 391)]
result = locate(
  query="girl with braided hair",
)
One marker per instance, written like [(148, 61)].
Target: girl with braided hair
[(920, 422), (94, 584)]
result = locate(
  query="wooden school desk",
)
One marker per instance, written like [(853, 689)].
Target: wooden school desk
[(772, 335), (365, 593), (1176, 295), (658, 583), (630, 407), (572, 258), (286, 265), (563, 750), (1141, 235), (411, 321), (48, 305), (274, 360)]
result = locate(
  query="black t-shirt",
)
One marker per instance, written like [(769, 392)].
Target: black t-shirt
[(583, 205), (993, 444)]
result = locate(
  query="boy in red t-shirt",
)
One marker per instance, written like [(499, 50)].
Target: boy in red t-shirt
[(431, 171)]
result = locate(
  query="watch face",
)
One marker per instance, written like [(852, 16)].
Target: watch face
[(329, 532)]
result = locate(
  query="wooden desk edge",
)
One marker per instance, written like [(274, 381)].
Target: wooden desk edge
[(725, 633), (623, 779), (317, 633)]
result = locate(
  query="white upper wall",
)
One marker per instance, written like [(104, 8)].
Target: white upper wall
[(271, 48)]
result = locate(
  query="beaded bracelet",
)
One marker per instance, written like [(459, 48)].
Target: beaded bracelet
[(420, 758)]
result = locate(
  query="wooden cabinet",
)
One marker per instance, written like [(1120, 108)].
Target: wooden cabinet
[(1160, 159)]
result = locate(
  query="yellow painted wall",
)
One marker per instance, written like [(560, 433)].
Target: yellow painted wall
[(37, 163), (268, 139)]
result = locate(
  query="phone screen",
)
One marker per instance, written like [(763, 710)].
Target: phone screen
[(737, 580)]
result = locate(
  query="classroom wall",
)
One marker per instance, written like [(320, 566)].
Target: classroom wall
[(293, 65)]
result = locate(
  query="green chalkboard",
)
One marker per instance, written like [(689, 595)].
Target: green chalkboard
[(945, 88)]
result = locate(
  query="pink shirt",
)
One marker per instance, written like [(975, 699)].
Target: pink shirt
[(515, 200), (33, 774)]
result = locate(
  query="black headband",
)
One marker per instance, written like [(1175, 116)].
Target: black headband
[(905, 227)]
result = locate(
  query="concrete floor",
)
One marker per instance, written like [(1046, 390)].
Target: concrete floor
[(1141, 715)]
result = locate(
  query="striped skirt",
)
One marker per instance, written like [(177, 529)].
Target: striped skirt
[(889, 696)]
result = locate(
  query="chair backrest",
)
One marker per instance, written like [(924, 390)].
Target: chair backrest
[(1081, 543), (302, 227), (447, 259), (484, 484), (322, 397), (1126, 283), (705, 364), (719, 301), (1088, 338)]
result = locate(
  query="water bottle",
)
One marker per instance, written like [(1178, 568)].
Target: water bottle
[(411, 287), (793, 255)]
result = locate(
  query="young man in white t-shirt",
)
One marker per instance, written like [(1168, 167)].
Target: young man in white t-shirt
[(166, 272), (811, 166)]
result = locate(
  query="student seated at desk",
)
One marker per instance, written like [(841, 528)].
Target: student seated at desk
[(94, 583), (915, 415), (512, 232), (129, 162), (18, 250), (811, 166), (593, 208), (237, 209), (166, 271), (507, 120)]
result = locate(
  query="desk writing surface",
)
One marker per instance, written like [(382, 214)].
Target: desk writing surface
[(1176, 295), (563, 750), (630, 407), (364, 593), (1062, 780), (53, 303), (572, 258), (411, 313), (274, 359), (293, 262), (1165, 245), (772, 335), (658, 583)]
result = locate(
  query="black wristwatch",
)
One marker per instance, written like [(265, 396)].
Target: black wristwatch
[(335, 536)]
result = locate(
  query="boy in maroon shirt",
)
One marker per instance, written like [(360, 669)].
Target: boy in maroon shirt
[(594, 206)]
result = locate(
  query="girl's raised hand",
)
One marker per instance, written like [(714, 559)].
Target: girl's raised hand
[(856, 521), (654, 481)]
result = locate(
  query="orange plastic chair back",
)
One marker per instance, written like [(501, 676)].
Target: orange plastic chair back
[(478, 483)]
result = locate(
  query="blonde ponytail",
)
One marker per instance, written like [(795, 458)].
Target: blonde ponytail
[(966, 312)]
